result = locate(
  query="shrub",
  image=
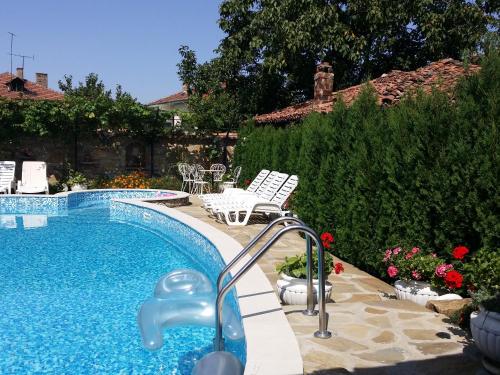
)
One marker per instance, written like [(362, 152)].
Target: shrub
[(166, 182), (424, 171), (76, 178), (134, 180), (137, 180), (483, 278)]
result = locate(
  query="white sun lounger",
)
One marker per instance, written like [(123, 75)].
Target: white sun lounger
[(34, 178), (266, 191), (7, 179), (232, 212), (252, 188)]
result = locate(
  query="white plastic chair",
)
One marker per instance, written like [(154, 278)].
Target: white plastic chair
[(34, 178), (256, 205), (7, 179), (184, 171), (198, 173)]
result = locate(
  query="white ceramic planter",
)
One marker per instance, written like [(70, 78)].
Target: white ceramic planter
[(293, 291), (415, 291), (78, 187), (485, 328)]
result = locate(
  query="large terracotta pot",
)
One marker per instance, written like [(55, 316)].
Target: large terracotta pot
[(485, 328), (416, 291), (293, 291)]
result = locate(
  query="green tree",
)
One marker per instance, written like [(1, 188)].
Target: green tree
[(271, 48), (213, 104), (91, 108)]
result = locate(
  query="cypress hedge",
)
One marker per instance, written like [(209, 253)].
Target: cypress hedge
[(424, 172)]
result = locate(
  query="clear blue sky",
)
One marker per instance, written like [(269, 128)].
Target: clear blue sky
[(130, 42)]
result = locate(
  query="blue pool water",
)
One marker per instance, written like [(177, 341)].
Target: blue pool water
[(71, 287)]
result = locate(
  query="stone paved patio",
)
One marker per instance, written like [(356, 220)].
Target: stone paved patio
[(374, 332)]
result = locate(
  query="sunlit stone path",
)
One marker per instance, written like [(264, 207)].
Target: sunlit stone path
[(374, 332)]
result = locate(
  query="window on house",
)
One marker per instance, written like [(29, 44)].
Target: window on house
[(16, 84)]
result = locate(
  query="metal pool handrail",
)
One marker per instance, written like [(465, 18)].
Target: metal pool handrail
[(322, 332), (309, 311)]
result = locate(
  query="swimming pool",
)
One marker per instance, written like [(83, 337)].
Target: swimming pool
[(74, 273)]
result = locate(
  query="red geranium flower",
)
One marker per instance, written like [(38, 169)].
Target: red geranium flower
[(327, 239), (453, 279), (248, 182), (339, 267), (460, 252)]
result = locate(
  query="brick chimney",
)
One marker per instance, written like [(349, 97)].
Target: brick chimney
[(323, 82), (42, 79), (20, 73)]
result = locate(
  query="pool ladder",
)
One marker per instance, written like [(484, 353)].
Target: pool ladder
[(295, 225)]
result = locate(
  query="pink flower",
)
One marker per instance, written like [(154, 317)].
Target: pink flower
[(415, 250), (409, 256), (392, 271), (396, 251), (442, 269), (434, 255), (416, 275), (388, 254)]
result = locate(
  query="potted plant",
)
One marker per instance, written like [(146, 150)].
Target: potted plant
[(484, 278), (422, 276), (76, 181), (292, 285)]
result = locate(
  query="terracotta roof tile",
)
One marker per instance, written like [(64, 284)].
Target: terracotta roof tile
[(32, 90), (389, 88), (178, 96)]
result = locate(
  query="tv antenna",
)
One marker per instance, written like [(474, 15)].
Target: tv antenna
[(12, 35), (23, 57)]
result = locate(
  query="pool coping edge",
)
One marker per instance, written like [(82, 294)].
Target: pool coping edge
[(272, 347)]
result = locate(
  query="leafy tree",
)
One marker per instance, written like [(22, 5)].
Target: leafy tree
[(92, 88), (92, 108), (271, 48), (213, 103)]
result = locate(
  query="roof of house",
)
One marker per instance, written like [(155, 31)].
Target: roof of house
[(31, 90), (389, 88), (177, 97)]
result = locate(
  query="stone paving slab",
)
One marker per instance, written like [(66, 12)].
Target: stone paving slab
[(373, 332)]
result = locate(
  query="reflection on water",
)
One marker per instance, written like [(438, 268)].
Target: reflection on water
[(34, 221), (8, 221), (28, 221)]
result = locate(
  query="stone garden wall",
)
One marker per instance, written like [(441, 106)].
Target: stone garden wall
[(108, 157)]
